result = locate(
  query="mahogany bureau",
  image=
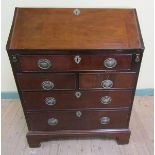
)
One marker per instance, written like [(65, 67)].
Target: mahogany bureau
[(76, 71)]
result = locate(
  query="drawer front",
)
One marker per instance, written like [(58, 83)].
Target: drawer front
[(76, 100), (77, 120), (107, 80), (51, 63), (46, 81)]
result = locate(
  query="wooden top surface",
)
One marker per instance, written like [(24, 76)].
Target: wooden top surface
[(45, 28)]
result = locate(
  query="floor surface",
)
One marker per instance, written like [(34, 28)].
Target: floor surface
[(14, 130)]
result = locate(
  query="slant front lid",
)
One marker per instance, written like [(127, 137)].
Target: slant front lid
[(44, 28)]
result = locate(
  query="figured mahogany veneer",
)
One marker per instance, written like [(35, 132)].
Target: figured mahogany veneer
[(28, 81), (68, 100), (120, 80), (76, 71), (67, 62), (67, 120), (62, 29)]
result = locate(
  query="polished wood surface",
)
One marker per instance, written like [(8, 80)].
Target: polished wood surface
[(28, 81), (68, 100), (67, 120), (120, 80), (59, 36), (45, 28), (67, 62)]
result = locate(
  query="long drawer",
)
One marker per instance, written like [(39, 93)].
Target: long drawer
[(40, 63), (77, 120), (107, 80), (76, 99), (46, 81)]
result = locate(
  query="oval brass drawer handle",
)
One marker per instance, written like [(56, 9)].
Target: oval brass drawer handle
[(47, 85), (78, 113), (106, 84), (52, 121), (78, 94), (105, 120), (50, 100), (106, 99), (44, 63), (110, 63)]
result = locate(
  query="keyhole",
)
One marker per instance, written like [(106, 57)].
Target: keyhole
[(77, 59), (77, 12)]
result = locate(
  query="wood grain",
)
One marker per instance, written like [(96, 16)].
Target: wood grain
[(60, 35), (61, 63), (68, 100), (68, 120), (61, 29), (120, 80), (28, 81)]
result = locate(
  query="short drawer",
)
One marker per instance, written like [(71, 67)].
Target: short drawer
[(107, 80), (77, 100), (46, 81), (40, 63), (77, 120)]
